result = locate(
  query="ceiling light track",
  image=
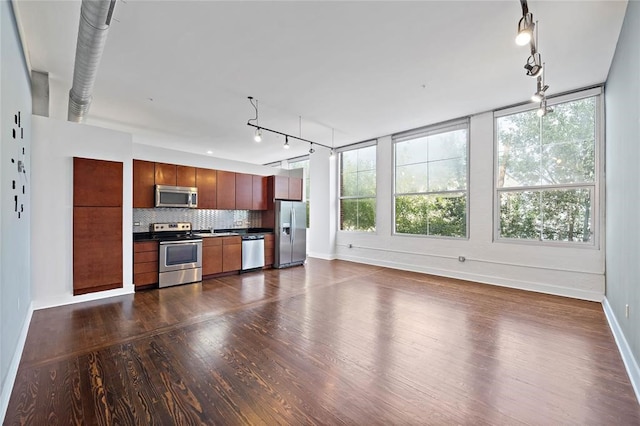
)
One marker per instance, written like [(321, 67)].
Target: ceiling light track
[(253, 122), (534, 65)]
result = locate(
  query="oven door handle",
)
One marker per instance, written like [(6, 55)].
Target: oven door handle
[(180, 242)]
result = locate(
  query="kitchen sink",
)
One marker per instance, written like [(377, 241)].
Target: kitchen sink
[(217, 234)]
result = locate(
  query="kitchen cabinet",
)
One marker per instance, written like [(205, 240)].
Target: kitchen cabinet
[(231, 254), (145, 263), (97, 249), (166, 174), (97, 225), (143, 182), (211, 255), (259, 196), (244, 191), (269, 247), (206, 184), (295, 189), (284, 188), (185, 176), (226, 190), (96, 183), (174, 175)]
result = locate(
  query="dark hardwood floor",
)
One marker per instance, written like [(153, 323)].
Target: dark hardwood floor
[(329, 343)]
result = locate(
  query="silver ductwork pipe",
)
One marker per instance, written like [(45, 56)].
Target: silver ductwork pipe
[(95, 18)]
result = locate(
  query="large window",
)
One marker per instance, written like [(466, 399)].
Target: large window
[(431, 180), (358, 189), (303, 163), (547, 173)]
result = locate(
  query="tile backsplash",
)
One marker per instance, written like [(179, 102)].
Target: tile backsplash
[(200, 218)]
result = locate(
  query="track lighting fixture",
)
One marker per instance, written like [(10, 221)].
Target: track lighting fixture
[(253, 122), (525, 30), (534, 65), (257, 136), (543, 109), (540, 90)]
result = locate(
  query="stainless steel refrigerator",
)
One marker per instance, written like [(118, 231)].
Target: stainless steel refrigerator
[(291, 233)]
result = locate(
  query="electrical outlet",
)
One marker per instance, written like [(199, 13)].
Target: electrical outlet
[(350, 245), (626, 310), (461, 258)]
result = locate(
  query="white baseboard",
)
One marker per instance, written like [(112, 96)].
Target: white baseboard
[(13, 367), (629, 360), (69, 299), (323, 256), (538, 287)]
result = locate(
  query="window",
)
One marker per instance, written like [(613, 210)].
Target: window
[(303, 163), (358, 188), (546, 173), (431, 180)]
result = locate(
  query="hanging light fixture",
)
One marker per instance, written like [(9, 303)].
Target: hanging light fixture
[(257, 136), (525, 26), (253, 122), (534, 65), (540, 91)]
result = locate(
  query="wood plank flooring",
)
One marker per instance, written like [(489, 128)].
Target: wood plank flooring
[(330, 343)]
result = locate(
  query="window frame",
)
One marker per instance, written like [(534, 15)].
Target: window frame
[(339, 152), (434, 129), (596, 188)]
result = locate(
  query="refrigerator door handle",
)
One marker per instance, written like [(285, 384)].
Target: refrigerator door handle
[(293, 224)]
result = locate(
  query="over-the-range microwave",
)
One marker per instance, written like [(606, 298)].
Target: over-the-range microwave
[(176, 196)]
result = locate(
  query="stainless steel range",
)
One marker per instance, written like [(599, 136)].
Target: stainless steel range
[(180, 254)]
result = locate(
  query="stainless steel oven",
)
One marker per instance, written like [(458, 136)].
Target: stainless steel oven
[(180, 262), (180, 256)]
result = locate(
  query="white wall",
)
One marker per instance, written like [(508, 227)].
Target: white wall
[(573, 272), (322, 214), (55, 143), (623, 192), (15, 291)]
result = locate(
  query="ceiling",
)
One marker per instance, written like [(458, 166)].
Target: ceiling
[(177, 74)]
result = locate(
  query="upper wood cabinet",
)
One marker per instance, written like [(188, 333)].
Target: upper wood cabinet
[(185, 176), (226, 190), (295, 189), (259, 199), (174, 175), (166, 174), (206, 184), (244, 191), (97, 183), (286, 188), (143, 181)]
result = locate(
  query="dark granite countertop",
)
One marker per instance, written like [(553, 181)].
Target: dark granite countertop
[(148, 236)]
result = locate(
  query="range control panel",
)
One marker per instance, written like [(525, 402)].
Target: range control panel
[(173, 226)]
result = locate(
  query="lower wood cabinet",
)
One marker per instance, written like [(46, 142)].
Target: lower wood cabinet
[(145, 263), (211, 256), (97, 257), (269, 247), (221, 254), (231, 254)]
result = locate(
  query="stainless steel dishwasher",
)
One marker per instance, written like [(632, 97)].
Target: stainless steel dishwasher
[(252, 252)]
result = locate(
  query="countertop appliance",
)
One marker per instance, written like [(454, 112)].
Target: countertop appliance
[(290, 233), (252, 252), (176, 196), (180, 256)]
